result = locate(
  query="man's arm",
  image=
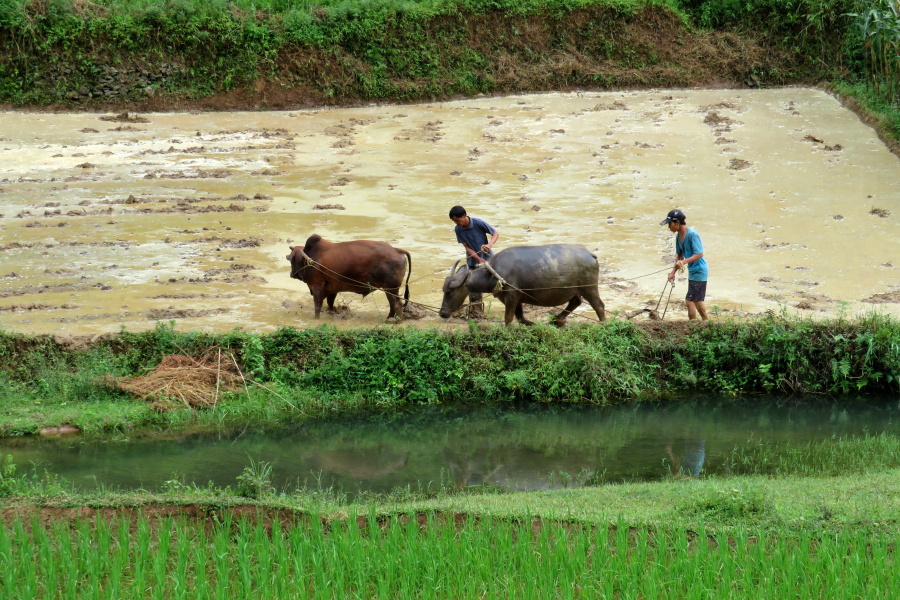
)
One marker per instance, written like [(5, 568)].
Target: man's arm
[(675, 266), (472, 253), (487, 247), (693, 258)]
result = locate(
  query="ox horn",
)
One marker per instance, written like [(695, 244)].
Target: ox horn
[(453, 268)]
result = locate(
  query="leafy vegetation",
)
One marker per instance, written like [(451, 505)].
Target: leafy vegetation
[(325, 370), (363, 49), (878, 23)]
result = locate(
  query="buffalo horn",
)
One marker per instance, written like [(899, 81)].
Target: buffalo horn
[(453, 268)]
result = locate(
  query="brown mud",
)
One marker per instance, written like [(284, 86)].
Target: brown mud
[(591, 168), (211, 517)]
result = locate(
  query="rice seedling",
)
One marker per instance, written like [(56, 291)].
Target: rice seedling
[(433, 557)]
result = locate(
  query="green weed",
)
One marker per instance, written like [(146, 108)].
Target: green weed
[(255, 481)]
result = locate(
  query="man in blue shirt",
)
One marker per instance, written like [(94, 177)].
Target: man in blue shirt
[(473, 234), (689, 251)]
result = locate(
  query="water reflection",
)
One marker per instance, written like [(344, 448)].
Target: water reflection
[(528, 448)]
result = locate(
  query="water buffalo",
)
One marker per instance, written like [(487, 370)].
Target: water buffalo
[(361, 267), (546, 275)]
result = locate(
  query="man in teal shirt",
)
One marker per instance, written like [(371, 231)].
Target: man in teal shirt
[(689, 251)]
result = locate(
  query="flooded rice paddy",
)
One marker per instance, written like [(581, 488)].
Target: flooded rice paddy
[(105, 223), (536, 448)]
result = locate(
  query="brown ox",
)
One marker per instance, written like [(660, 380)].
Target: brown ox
[(361, 267)]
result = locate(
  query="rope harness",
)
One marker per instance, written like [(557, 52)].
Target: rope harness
[(309, 262), (322, 269)]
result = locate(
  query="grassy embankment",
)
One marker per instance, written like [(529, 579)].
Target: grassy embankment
[(403, 50), (324, 371)]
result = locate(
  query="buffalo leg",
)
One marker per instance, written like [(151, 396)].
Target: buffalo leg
[(331, 298), (560, 320), (593, 298), (520, 315), (511, 304), (476, 305)]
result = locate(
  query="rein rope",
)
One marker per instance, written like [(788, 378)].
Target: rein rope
[(322, 269), (497, 288)]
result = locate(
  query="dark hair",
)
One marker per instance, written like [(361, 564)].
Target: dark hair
[(457, 212)]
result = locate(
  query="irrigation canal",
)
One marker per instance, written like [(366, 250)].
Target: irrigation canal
[(531, 448)]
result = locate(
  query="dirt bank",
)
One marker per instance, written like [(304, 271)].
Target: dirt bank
[(212, 516), (447, 56)]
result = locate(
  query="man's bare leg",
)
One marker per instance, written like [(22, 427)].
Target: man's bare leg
[(694, 308)]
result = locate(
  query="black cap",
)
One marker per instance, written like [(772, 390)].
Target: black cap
[(674, 215)]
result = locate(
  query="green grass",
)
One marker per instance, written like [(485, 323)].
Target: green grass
[(401, 558)]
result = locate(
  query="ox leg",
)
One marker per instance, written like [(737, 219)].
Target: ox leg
[(520, 315), (331, 298), (593, 298), (393, 298), (318, 295), (560, 320)]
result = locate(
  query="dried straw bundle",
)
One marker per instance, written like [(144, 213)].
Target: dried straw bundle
[(195, 381)]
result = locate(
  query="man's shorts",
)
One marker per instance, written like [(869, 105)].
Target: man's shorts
[(696, 291)]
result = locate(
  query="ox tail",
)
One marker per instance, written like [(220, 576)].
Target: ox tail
[(408, 274)]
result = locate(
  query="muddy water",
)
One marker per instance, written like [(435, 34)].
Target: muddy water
[(519, 448), (189, 216)]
